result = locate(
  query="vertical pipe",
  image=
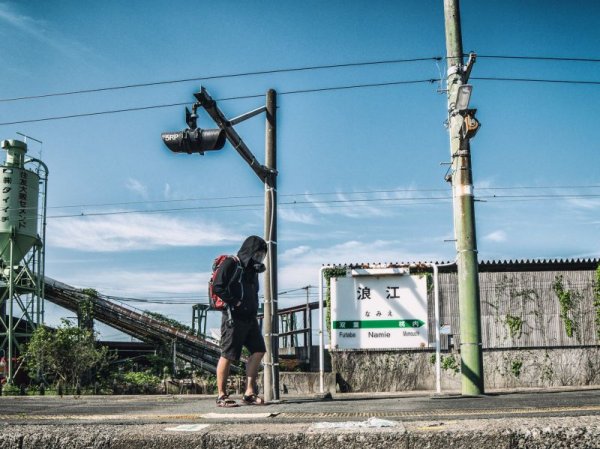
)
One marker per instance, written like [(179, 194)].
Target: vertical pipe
[(11, 331), (42, 271), (438, 357), (308, 325), (438, 362), (203, 323), (174, 359), (41, 265), (195, 318), (271, 320), (321, 335)]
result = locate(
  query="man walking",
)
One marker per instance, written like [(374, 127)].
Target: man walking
[(236, 283)]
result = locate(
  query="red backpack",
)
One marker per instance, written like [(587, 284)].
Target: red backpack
[(216, 303)]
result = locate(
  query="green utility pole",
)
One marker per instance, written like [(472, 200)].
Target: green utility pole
[(462, 125)]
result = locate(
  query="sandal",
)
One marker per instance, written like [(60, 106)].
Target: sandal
[(253, 399), (225, 401)]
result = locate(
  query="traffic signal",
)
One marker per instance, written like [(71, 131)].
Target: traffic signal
[(194, 140)]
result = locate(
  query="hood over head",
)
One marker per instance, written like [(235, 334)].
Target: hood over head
[(250, 246)]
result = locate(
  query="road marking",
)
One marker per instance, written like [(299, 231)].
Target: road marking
[(301, 415), (426, 413), (188, 428), (237, 415)]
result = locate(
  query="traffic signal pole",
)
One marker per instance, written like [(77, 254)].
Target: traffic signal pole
[(271, 320), (268, 175), (464, 211)]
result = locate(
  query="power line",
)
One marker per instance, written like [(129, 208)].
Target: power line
[(293, 92), (358, 86), (301, 91), (304, 194), (309, 194), (117, 111), (413, 200), (286, 70), (535, 80), (316, 204), (231, 75), (538, 58), (231, 206), (179, 300)]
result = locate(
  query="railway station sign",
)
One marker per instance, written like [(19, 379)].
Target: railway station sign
[(379, 309)]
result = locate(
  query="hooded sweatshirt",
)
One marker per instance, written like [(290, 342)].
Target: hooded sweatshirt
[(231, 289)]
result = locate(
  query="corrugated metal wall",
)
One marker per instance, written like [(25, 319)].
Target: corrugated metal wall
[(522, 309)]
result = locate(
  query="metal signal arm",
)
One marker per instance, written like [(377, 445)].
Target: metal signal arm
[(210, 106)]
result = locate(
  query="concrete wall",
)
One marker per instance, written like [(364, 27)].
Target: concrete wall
[(404, 371)]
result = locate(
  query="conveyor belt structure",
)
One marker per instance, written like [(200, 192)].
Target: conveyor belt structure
[(189, 347)]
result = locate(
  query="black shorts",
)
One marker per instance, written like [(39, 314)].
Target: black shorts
[(240, 333)]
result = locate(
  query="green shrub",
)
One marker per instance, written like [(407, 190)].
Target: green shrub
[(10, 390), (140, 382)]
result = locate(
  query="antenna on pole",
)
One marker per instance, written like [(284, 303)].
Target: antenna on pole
[(34, 139)]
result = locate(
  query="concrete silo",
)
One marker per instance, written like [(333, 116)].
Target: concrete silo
[(22, 188)]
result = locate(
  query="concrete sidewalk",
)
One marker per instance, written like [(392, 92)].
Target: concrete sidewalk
[(534, 418)]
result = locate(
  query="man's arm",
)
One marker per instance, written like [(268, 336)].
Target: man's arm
[(227, 283)]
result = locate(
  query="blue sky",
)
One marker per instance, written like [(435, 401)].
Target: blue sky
[(381, 145)]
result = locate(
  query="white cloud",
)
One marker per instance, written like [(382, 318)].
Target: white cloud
[(295, 216), (496, 236), (585, 204), (131, 232), (137, 187), (142, 284), (40, 30), (375, 204), (354, 206), (295, 252), (485, 184), (167, 191), (300, 266)]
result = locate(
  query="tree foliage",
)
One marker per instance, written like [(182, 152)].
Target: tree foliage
[(569, 301), (65, 355), (169, 321), (329, 273)]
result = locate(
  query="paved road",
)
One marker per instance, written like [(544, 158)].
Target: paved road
[(343, 407), (532, 419)]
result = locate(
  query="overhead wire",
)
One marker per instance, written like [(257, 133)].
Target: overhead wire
[(534, 80), (288, 70), (342, 202), (309, 194), (329, 203), (242, 97), (231, 75), (538, 58), (437, 59), (195, 299), (299, 91)]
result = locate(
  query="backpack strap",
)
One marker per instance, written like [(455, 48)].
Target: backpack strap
[(238, 268)]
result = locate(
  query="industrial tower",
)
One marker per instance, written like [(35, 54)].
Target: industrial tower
[(23, 187)]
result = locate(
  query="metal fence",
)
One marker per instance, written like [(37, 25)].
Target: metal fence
[(525, 309)]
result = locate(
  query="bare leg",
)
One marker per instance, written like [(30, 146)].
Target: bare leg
[(252, 371), (222, 374)]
